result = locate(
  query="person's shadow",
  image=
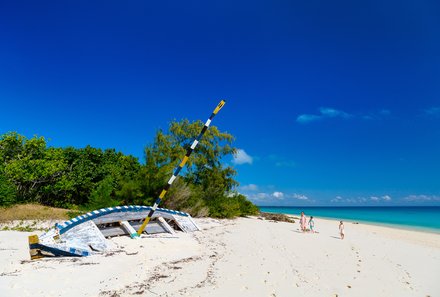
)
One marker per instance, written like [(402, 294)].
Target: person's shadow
[(335, 237)]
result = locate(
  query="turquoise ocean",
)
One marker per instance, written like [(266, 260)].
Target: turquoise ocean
[(420, 218)]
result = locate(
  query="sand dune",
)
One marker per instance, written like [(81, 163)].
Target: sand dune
[(242, 257)]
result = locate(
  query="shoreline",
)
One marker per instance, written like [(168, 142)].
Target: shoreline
[(419, 218), (377, 224)]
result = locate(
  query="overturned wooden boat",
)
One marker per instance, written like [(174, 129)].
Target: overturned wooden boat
[(86, 234)]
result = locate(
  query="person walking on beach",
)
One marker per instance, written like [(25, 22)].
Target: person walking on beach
[(341, 229), (312, 225), (303, 222)]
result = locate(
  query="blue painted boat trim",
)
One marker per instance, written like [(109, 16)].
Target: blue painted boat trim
[(57, 252), (66, 226)]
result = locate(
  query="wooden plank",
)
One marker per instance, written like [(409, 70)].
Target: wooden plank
[(129, 229), (185, 224), (127, 216), (111, 231), (165, 225)]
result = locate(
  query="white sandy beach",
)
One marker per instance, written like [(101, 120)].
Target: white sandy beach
[(242, 257)]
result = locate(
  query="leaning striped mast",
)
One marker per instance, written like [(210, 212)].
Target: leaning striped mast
[(182, 163)]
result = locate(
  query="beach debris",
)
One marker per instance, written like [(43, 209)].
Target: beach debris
[(278, 217), (179, 168), (86, 234), (12, 273)]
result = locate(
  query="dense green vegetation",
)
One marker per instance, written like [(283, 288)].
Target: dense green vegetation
[(90, 178)]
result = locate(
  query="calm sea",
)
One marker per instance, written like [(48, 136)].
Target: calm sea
[(426, 218)]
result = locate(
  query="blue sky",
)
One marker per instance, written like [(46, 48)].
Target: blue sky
[(331, 103)]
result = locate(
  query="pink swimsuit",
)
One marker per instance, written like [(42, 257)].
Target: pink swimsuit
[(303, 222)]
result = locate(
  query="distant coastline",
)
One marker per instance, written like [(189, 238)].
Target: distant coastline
[(417, 218)]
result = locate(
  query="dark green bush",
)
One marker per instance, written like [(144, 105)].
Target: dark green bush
[(7, 192)]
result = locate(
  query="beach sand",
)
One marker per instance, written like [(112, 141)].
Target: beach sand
[(241, 257)]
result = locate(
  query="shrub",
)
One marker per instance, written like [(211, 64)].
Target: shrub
[(101, 195), (230, 207), (7, 192)]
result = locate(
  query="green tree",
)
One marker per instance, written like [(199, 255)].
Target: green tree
[(11, 147), (87, 167), (205, 163), (205, 181), (7, 191), (60, 177), (101, 196), (33, 167)]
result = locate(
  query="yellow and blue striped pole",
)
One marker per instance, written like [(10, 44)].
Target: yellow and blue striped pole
[(182, 163)]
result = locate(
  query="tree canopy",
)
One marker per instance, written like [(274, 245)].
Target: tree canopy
[(89, 178)]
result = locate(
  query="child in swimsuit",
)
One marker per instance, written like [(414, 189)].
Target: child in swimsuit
[(303, 222), (341, 229), (312, 225)]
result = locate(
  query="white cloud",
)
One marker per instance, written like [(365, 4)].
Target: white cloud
[(336, 199), (250, 187), (258, 197), (376, 115), (421, 198), (382, 198), (386, 198), (241, 157), (275, 197), (328, 112), (333, 113), (300, 197), (325, 112), (433, 111), (384, 112), (339, 199), (278, 195), (262, 195), (307, 118)]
